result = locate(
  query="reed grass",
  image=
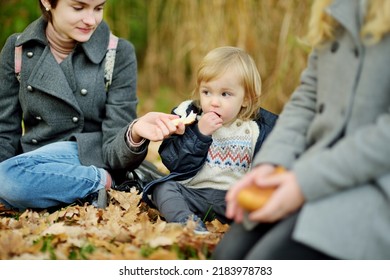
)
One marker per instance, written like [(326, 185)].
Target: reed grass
[(172, 36), (181, 32)]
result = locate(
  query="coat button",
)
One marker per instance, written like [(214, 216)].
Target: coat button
[(83, 92), (30, 88), (356, 52), (238, 124), (247, 131), (75, 119), (34, 141), (321, 108), (30, 54), (334, 47)]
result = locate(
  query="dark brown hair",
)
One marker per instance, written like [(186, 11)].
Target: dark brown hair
[(47, 14)]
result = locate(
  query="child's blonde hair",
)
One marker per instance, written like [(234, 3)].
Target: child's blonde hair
[(376, 22), (217, 61)]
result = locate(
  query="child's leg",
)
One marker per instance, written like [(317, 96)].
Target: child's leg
[(170, 201), (47, 177), (176, 202), (209, 203)]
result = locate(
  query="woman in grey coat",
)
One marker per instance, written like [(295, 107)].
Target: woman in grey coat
[(62, 131), (333, 138)]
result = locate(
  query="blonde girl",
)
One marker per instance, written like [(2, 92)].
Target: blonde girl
[(217, 149)]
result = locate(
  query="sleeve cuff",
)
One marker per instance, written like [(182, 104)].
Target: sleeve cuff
[(129, 140)]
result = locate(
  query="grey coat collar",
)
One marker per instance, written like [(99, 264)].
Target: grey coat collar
[(349, 14), (95, 48)]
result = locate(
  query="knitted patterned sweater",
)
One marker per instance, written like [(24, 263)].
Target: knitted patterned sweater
[(229, 156)]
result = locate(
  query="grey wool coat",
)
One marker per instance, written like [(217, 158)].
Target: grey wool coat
[(334, 134), (68, 101)]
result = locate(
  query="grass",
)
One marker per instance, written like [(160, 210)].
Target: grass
[(171, 37)]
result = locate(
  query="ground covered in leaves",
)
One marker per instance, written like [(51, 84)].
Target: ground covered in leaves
[(126, 229)]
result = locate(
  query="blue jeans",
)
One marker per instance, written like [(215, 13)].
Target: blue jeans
[(47, 177)]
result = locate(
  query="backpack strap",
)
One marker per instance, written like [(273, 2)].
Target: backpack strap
[(110, 60), (18, 61)]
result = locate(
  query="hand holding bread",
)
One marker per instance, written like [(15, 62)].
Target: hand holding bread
[(252, 198)]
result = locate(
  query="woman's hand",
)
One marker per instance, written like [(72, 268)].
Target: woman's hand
[(286, 198), (155, 126), (209, 122), (233, 210)]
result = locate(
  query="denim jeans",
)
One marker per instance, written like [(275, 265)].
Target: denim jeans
[(47, 177)]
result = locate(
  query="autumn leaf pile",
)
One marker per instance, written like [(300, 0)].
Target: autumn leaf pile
[(126, 229)]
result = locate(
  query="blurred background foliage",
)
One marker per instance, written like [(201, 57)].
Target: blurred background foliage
[(171, 37)]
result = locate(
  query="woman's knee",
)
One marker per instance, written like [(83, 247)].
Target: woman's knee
[(12, 182)]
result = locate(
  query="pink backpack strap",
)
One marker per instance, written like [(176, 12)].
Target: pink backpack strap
[(110, 60), (113, 43), (18, 61)]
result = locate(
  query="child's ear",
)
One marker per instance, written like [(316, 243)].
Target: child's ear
[(245, 103)]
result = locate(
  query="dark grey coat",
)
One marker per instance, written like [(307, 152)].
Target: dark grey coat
[(335, 135), (68, 101)]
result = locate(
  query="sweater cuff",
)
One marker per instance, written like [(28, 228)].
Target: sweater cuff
[(129, 140)]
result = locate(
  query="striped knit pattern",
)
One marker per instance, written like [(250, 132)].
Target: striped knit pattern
[(231, 152)]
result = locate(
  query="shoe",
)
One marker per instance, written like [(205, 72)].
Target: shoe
[(98, 199), (102, 199), (200, 227), (127, 185), (145, 173), (139, 177)]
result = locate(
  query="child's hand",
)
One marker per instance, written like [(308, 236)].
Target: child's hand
[(209, 123)]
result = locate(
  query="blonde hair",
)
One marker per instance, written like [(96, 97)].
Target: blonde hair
[(322, 26), (217, 61)]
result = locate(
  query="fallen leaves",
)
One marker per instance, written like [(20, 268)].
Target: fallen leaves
[(126, 229)]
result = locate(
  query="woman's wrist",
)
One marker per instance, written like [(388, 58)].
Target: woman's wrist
[(132, 141)]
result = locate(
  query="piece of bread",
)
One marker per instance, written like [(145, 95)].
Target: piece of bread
[(252, 198), (185, 120)]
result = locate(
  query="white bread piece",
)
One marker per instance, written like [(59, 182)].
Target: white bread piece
[(185, 120)]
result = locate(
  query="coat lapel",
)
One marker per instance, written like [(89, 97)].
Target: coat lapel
[(47, 76), (346, 12)]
